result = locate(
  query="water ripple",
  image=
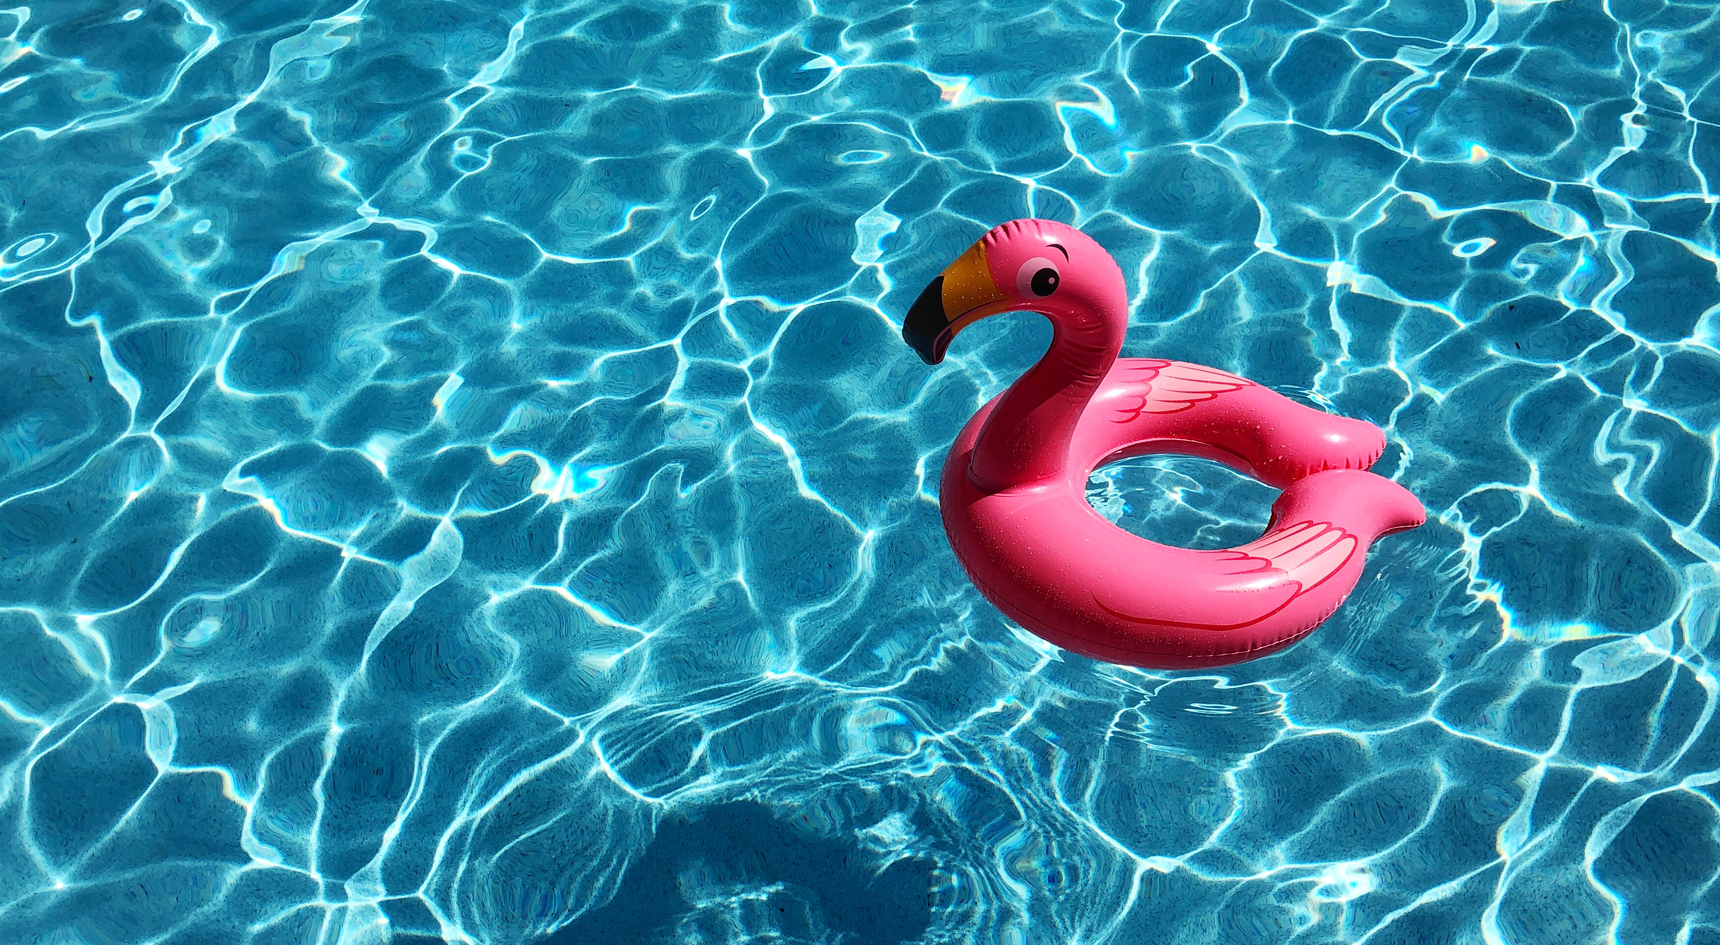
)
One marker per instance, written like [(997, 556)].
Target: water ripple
[(460, 479)]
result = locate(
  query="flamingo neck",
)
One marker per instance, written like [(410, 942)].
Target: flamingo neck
[(1026, 439)]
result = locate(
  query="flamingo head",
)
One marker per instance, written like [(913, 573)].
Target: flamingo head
[(1023, 265)]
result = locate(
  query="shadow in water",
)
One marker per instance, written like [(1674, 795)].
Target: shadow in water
[(760, 871)]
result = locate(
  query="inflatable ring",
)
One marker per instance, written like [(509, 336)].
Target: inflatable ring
[(1014, 487)]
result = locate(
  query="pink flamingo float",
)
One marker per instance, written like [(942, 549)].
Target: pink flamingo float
[(1014, 486)]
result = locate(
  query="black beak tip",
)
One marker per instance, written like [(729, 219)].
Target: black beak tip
[(927, 348), (926, 329)]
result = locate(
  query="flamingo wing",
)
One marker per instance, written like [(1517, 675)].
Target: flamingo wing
[(1154, 385), (1245, 584), (1307, 553)]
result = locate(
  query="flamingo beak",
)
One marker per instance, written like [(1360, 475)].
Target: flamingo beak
[(963, 294)]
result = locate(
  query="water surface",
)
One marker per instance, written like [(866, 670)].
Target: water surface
[(460, 478)]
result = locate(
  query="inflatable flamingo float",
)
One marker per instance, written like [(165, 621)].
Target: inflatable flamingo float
[(1014, 486)]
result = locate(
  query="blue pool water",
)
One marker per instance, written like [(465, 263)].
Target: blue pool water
[(460, 478)]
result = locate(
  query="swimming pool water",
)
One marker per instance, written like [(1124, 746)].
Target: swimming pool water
[(460, 478)]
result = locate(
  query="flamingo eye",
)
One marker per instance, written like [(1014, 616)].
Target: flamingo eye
[(1037, 278)]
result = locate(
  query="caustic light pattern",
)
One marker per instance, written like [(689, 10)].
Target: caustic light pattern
[(460, 478)]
